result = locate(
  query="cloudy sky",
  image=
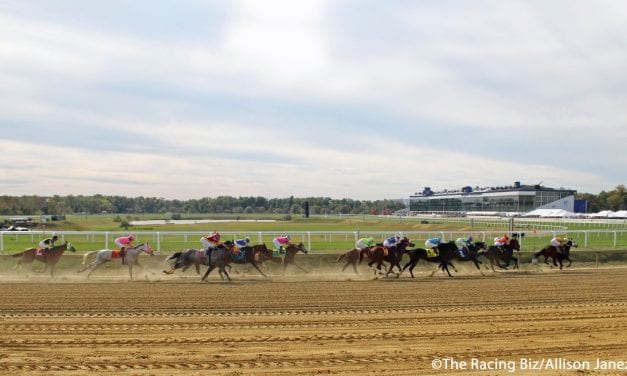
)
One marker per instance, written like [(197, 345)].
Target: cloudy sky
[(361, 99)]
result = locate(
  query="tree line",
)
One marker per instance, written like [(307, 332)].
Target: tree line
[(615, 199), (49, 205)]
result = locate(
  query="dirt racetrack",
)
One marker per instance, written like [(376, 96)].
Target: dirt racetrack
[(313, 325)]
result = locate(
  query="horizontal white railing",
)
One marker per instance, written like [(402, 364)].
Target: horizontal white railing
[(313, 240)]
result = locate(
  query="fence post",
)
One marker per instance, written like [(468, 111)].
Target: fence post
[(308, 241), (158, 242), (586, 239), (1, 241), (614, 239), (106, 239), (596, 257)]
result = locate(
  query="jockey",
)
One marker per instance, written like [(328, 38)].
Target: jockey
[(124, 242), (48, 243), (501, 241), (241, 243), (209, 242), (463, 246), (392, 241), (558, 242), (281, 241), (433, 244), (364, 243)]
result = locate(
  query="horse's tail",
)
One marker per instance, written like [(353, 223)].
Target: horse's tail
[(341, 257), (173, 256), (86, 255), (540, 252), (19, 254)]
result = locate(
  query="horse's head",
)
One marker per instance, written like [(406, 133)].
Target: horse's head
[(514, 244), (406, 242), (147, 248), (301, 247), (71, 247), (480, 246)]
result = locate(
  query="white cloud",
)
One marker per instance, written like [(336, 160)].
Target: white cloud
[(497, 67)]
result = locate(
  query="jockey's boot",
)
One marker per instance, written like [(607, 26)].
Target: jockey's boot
[(123, 255)]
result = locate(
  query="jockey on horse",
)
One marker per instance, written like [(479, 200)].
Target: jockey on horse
[(124, 242), (463, 246), (391, 242), (502, 242), (558, 242), (210, 242), (46, 244), (280, 242), (432, 246)]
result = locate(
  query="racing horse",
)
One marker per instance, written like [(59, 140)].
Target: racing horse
[(49, 258), (557, 256), (220, 258), (504, 254), (105, 255), (290, 253), (252, 254), (352, 258), (446, 252), (474, 251), (393, 255)]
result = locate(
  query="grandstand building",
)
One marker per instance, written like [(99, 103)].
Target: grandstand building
[(514, 199)]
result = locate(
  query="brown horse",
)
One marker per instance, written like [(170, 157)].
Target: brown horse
[(393, 255), (352, 257), (290, 253), (49, 257), (505, 254), (557, 255)]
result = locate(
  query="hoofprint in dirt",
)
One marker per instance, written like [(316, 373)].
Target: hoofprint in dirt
[(287, 326)]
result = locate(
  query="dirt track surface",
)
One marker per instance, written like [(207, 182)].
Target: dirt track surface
[(290, 326)]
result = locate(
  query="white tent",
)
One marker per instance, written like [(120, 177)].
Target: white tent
[(618, 214), (601, 214), (550, 213)]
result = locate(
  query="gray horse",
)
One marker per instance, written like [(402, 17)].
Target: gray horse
[(254, 255), (105, 255)]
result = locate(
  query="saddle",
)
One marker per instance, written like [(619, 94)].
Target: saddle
[(115, 253), (432, 253)]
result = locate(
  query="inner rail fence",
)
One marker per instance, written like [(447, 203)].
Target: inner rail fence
[(315, 241)]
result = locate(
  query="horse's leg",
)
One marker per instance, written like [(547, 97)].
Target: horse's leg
[(254, 263), (223, 270), (130, 270), (300, 267), (453, 266), (445, 267), (355, 267), (515, 262), (197, 265), (92, 266), (569, 262), (204, 277)]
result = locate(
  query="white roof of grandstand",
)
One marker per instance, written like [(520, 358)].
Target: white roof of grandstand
[(550, 213)]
